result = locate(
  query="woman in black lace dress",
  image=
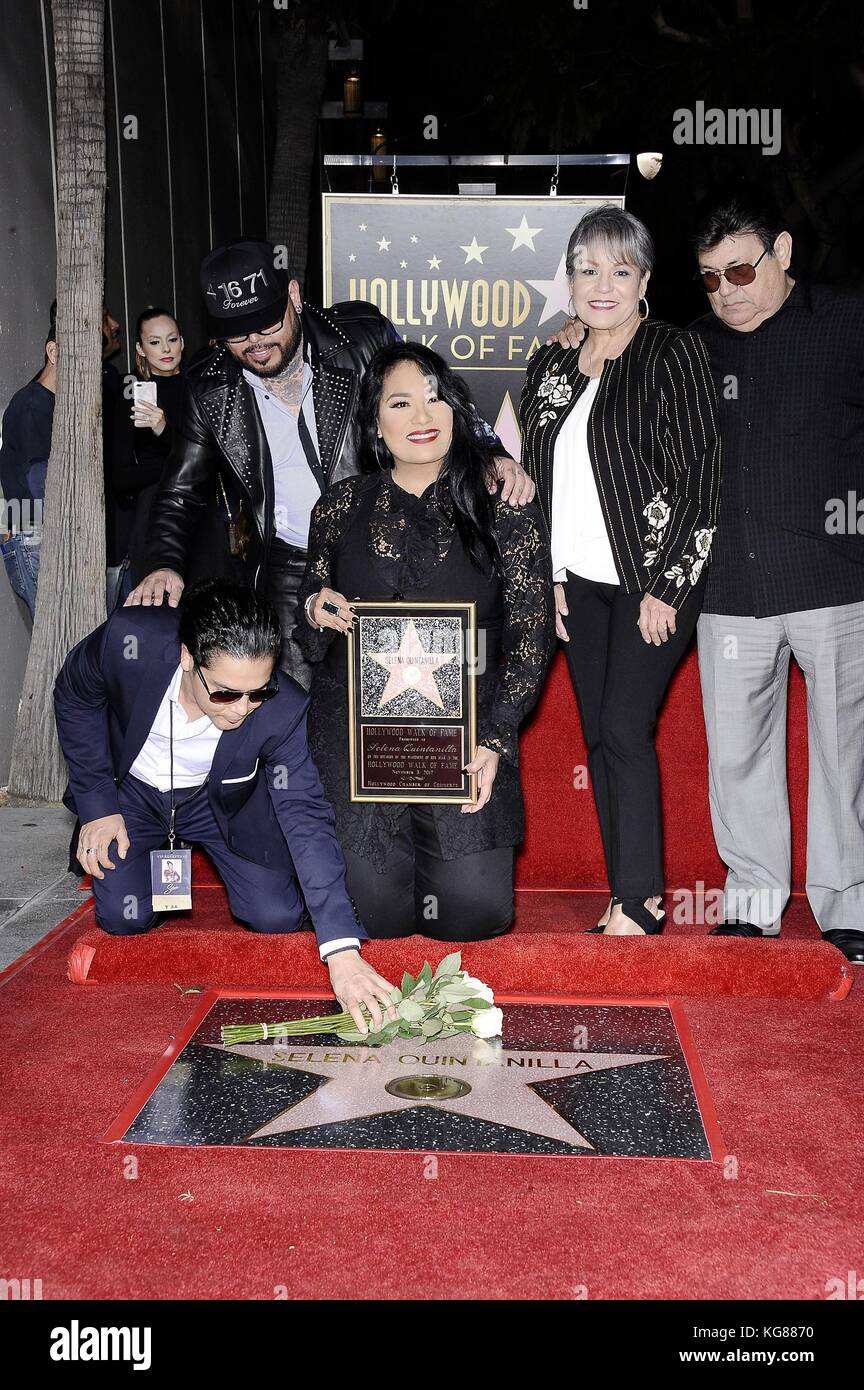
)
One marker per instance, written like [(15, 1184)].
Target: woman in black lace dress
[(427, 522)]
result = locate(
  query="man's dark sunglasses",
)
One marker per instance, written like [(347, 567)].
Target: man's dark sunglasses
[(229, 697), (261, 332), (743, 274)]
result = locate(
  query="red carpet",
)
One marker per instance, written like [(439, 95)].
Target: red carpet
[(552, 956), (776, 1221), (562, 847)]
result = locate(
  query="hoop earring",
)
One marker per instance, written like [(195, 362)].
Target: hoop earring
[(642, 301), (571, 308)]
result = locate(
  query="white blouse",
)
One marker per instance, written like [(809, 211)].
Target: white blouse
[(580, 541)]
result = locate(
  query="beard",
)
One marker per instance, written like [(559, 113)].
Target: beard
[(285, 353)]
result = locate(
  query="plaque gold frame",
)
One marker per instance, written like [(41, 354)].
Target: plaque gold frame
[(467, 611)]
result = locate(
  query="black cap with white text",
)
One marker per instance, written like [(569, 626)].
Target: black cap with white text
[(243, 291)]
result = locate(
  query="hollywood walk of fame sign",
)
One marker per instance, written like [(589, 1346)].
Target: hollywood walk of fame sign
[(482, 280), (573, 1079), (412, 701)]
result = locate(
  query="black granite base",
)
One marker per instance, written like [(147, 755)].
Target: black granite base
[(568, 1079)]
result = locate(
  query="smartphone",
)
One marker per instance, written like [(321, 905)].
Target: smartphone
[(143, 391)]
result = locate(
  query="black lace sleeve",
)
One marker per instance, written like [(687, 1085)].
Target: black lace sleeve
[(529, 627), (329, 519)]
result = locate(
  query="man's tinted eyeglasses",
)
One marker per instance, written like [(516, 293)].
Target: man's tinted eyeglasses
[(229, 697), (261, 333), (743, 274)]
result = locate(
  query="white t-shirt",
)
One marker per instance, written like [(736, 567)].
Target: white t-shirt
[(580, 541)]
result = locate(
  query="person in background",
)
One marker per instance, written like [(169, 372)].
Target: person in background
[(143, 433), (26, 445)]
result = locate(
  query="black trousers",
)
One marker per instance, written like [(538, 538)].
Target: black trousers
[(465, 899), (620, 681), (286, 566)]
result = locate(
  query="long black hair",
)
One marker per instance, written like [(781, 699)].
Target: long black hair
[(468, 468)]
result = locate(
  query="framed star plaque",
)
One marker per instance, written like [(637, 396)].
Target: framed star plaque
[(412, 702)]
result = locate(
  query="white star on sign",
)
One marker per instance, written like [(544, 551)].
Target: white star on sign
[(352, 257), (523, 235), (434, 263), (414, 238), (500, 1080), (473, 252), (362, 226), (403, 265), (411, 668), (383, 244), (557, 292)]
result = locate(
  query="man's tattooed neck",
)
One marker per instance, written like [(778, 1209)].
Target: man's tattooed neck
[(288, 385)]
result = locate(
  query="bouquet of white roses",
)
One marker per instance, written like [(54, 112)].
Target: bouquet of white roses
[(437, 1004)]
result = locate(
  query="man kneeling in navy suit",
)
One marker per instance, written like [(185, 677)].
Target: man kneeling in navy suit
[(160, 704)]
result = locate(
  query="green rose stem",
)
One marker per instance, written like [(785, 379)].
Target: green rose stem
[(232, 1034), (259, 1032), (235, 1033), (453, 1015)]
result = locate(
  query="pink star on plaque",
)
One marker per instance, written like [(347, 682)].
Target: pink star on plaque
[(411, 668)]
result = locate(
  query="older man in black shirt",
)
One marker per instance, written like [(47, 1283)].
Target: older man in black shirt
[(787, 575)]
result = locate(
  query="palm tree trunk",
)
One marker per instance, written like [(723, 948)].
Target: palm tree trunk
[(71, 590)]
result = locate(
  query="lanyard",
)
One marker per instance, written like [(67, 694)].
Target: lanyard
[(175, 806)]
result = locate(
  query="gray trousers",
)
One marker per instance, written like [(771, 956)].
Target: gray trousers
[(744, 669)]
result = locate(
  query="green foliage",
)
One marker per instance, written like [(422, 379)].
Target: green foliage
[(449, 965)]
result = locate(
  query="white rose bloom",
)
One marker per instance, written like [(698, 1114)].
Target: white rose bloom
[(487, 1023), (480, 990)]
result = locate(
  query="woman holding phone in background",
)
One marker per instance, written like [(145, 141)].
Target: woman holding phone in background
[(144, 429)]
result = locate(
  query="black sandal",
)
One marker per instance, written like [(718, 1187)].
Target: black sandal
[(635, 909)]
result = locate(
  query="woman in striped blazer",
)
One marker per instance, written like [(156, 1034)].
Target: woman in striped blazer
[(621, 439)]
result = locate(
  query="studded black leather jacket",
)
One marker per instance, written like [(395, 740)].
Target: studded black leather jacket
[(221, 449)]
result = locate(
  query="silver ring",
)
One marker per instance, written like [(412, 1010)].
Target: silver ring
[(89, 851)]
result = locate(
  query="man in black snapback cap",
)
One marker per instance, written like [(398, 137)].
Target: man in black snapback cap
[(265, 428)]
